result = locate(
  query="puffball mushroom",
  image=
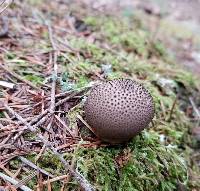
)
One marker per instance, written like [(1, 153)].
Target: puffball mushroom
[(118, 110)]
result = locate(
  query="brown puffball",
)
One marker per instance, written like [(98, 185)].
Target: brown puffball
[(118, 110)]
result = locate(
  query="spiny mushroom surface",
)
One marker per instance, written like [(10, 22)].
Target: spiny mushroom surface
[(118, 110)]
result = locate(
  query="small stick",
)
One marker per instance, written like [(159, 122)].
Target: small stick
[(18, 77), (17, 172), (85, 123), (55, 72), (80, 179), (4, 31), (55, 179), (51, 36), (32, 165), (40, 153), (64, 125), (7, 2), (40, 119), (63, 94), (14, 182), (7, 171), (42, 108), (172, 109), (64, 146), (67, 98), (37, 118), (45, 135), (25, 180), (195, 108), (18, 135), (8, 121), (5, 140), (53, 88), (7, 84)]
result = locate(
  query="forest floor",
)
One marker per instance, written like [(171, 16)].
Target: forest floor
[(53, 52)]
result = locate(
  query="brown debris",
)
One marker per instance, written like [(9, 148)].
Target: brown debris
[(34, 116)]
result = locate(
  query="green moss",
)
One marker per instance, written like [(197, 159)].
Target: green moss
[(35, 2), (159, 48), (48, 162), (149, 166), (34, 78), (10, 55), (2, 115), (92, 21)]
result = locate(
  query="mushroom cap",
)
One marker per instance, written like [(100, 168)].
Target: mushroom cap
[(118, 110)]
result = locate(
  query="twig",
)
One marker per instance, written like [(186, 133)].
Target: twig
[(53, 87), (45, 135), (64, 125), (7, 172), (55, 179), (18, 77), (68, 98), (54, 73), (64, 145), (7, 2), (5, 140), (32, 165), (2, 2), (68, 46), (40, 153), (62, 94), (14, 182), (51, 37), (80, 179), (25, 180), (4, 30), (40, 119), (18, 172), (172, 109), (12, 155), (85, 123), (195, 108), (19, 134), (7, 121)]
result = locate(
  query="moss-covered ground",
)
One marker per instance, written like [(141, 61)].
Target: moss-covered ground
[(107, 46)]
